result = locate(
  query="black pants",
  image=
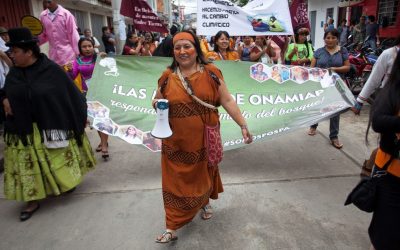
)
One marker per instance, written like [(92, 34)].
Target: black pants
[(384, 230), (2, 119)]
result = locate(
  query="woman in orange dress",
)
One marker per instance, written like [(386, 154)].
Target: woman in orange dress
[(188, 180), (222, 50)]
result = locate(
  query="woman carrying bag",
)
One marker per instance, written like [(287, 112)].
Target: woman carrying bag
[(188, 178), (384, 230), (47, 151)]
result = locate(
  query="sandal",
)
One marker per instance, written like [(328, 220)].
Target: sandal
[(312, 131), (105, 155), (336, 143), (206, 212), (166, 237), (98, 149)]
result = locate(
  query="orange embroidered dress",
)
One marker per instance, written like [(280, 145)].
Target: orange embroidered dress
[(187, 181)]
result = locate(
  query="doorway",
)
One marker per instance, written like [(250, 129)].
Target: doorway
[(356, 13), (313, 17)]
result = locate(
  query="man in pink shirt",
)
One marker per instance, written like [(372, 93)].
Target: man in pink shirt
[(60, 30)]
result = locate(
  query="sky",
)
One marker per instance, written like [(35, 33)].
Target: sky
[(190, 5)]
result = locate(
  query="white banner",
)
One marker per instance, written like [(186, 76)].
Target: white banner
[(258, 17)]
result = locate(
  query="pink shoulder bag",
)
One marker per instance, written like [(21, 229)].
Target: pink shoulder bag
[(212, 134)]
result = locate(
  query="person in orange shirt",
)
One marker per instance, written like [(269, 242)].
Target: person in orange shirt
[(232, 43), (149, 45), (204, 46), (222, 50), (384, 229)]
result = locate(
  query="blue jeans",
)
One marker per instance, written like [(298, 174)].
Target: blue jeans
[(333, 127), (371, 42)]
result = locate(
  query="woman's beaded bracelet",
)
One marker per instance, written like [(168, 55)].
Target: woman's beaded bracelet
[(243, 126)]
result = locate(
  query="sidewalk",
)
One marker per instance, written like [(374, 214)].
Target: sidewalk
[(286, 193)]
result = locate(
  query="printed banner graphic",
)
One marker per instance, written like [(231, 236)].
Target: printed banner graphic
[(274, 99), (256, 18)]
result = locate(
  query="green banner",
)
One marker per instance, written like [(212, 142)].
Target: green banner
[(274, 99)]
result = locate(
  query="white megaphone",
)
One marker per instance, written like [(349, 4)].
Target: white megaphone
[(162, 129)]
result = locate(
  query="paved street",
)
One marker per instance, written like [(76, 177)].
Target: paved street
[(286, 193)]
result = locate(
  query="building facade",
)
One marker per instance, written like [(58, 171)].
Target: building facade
[(387, 13), (92, 14)]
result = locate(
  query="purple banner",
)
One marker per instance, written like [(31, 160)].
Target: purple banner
[(143, 16)]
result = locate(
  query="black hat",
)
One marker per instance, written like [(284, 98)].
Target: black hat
[(3, 30), (20, 36)]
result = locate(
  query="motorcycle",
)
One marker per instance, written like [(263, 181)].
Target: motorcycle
[(372, 58), (361, 63), (385, 44)]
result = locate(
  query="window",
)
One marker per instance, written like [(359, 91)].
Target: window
[(97, 24), (329, 13), (388, 10), (79, 18), (107, 2)]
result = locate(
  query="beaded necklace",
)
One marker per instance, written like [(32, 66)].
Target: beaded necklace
[(80, 62)]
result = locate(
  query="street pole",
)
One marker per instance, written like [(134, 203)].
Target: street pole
[(179, 11), (116, 5), (170, 13)]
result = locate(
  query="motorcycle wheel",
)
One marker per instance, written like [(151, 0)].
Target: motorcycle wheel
[(354, 84), (365, 76), (358, 82)]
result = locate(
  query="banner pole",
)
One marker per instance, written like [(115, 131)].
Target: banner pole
[(295, 45), (116, 6)]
